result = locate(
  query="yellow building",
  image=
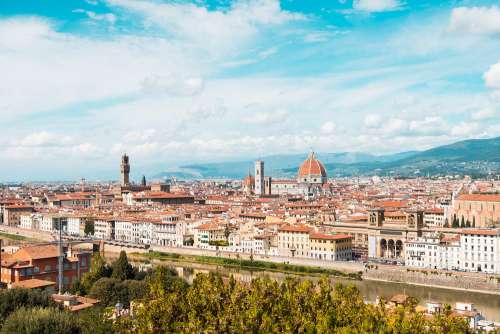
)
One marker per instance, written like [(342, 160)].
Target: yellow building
[(334, 247), (293, 240)]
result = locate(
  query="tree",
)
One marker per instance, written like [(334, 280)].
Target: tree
[(13, 299), (77, 288), (41, 320), (455, 221), (109, 291), (227, 232), (467, 223), (473, 221), (98, 269), (211, 305), (89, 226), (122, 270), (446, 224), (94, 321), (462, 222)]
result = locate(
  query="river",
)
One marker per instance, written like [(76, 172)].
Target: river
[(488, 305)]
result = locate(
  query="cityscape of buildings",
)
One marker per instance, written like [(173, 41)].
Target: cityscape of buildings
[(446, 224)]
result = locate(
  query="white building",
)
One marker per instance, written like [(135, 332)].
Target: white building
[(123, 230), (423, 252), (53, 222), (74, 225), (480, 250), (434, 217), (104, 228), (30, 221)]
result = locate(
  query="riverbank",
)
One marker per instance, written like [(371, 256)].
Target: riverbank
[(249, 264), (486, 292)]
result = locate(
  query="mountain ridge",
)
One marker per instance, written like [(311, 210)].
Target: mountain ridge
[(478, 157)]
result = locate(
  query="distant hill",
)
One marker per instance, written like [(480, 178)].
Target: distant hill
[(275, 165), (476, 157)]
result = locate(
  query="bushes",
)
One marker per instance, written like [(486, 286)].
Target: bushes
[(41, 320), (11, 300), (111, 291), (211, 305)]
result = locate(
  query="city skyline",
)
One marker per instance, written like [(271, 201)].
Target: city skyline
[(176, 82)]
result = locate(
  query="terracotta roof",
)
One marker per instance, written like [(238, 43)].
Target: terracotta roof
[(159, 195), (36, 252), (32, 283), (481, 232), (480, 197), (312, 166), (329, 236), (209, 227), (295, 228)]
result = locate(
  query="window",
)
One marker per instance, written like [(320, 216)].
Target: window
[(36, 269), (48, 267)]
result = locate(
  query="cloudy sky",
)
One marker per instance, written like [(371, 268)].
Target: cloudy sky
[(171, 82)]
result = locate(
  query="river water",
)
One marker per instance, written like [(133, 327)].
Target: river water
[(488, 305)]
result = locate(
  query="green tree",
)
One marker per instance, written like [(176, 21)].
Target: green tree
[(94, 321), (462, 222), (89, 226), (39, 320), (122, 269), (455, 223), (13, 299), (446, 224), (467, 223), (109, 291), (473, 221), (98, 269), (212, 305)]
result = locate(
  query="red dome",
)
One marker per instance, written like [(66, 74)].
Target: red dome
[(312, 166)]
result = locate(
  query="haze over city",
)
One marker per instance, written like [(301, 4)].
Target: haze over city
[(175, 82)]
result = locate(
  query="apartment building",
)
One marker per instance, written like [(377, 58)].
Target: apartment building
[(480, 249), (333, 247), (293, 240), (41, 262)]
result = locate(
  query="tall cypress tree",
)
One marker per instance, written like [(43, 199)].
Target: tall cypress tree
[(121, 268)]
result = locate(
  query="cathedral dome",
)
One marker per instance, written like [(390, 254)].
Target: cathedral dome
[(312, 169)]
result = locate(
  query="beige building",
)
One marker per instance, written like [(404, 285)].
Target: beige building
[(333, 247), (481, 210), (293, 240)]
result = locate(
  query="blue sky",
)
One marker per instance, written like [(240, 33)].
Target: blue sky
[(171, 82)]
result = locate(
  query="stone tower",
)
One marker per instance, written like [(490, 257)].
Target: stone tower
[(124, 171), (259, 177)]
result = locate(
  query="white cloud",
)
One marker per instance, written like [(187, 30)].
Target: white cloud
[(173, 84), (475, 20), (44, 138), (264, 117), (372, 120), (492, 76), (213, 31), (464, 129), (328, 128), (485, 113), (108, 17), (376, 5)]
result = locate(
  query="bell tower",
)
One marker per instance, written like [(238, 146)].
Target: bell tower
[(259, 177), (124, 171)]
